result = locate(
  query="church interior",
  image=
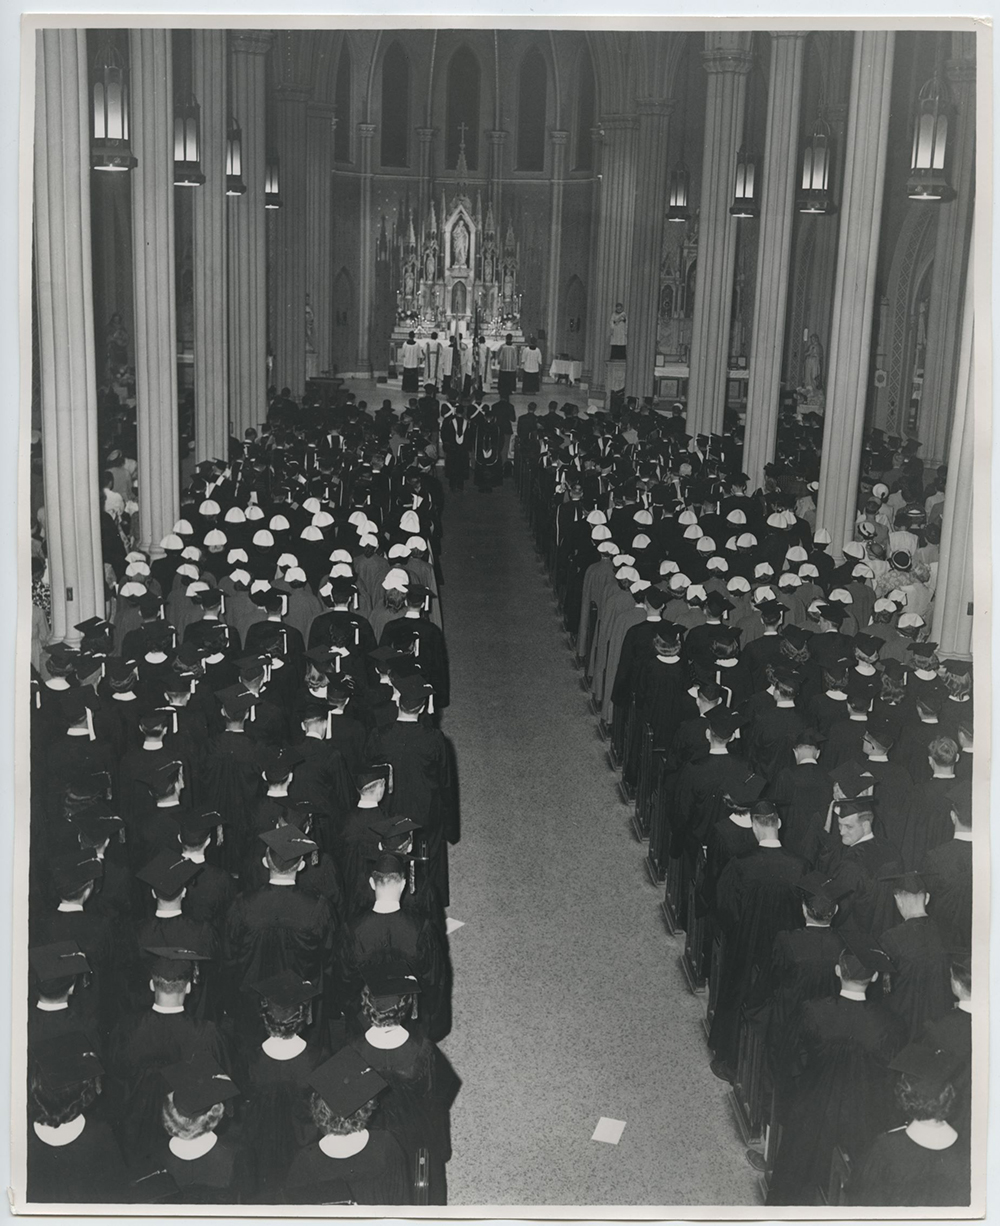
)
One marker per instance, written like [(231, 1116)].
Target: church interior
[(606, 399)]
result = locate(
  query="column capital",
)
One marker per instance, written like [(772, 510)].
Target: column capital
[(293, 91), (426, 135), (721, 61), (252, 42), (618, 123), (557, 136), (778, 34), (655, 106), (324, 111), (597, 135), (367, 130), (497, 136)]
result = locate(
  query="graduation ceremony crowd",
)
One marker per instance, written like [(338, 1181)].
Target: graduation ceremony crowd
[(241, 809), (800, 759)]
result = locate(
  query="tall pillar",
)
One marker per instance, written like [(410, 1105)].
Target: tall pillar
[(952, 622), (211, 262), (289, 287), (774, 250), (65, 311), (247, 253), (613, 262), (727, 61), (498, 139), (552, 272), (366, 280), (154, 274), (854, 289), (643, 301), (954, 228), (425, 166), (319, 273), (592, 359)]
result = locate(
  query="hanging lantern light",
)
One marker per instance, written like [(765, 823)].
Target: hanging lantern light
[(814, 189), (679, 194), (234, 160), (745, 190), (110, 149), (272, 185), (928, 177), (187, 144)]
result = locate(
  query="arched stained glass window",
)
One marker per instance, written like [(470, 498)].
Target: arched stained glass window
[(531, 112), (395, 107), (463, 108)]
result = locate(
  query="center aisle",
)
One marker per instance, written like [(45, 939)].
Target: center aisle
[(569, 1003)]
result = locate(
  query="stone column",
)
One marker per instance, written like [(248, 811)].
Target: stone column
[(366, 279), (154, 274), (552, 272), (774, 250), (425, 155), (211, 262), (951, 627), (319, 273), (854, 290), (727, 61), (65, 311), (643, 301), (291, 253), (247, 253), (498, 139), (954, 228), (613, 262), (592, 361)]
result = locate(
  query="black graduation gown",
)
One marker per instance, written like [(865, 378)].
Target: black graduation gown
[(769, 739), (947, 873), (928, 821), (802, 794), (378, 1175), (845, 742), (274, 929), (208, 1180), (209, 895), (662, 699), (857, 869), (231, 775), (842, 1097), (901, 1172), (921, 979), (894, 790), (432, 657), (179, 932), (724, 842), (88, 1170), (698, 801), (323, 779)]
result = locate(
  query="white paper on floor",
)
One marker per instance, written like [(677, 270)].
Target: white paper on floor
[(609, 1131), (452, 925)]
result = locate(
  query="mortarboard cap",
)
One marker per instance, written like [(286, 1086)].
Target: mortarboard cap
[(168, 873), (346, 1082), (852, 778), (809, 736), (173, 960), (958, 668), (71, 873), (57, 961), (722, 721), (881, 730), (198, 822), (289, 843), (390, 981), (820, 886), (851, 807), (279, 764), (198, 1084), (287, 989), (93, 626), (67, 1060), (932, 1067), (744, 794), (394, 827), (905, 883), (861, 957), (97, 822), (159, 775)]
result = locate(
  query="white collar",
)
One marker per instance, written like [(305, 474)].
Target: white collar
[(669, 659), (965, 1006), (878, 757), (784, 703), (858, 719), (837, 695), (865, 838), (743, 820), (62, 1134), (167, 914), (314, 736), (187, 1151), (850, 994), (367, 804), (718, 753), (57, 683), (273, 880), (344, 1147), (941, 775), (932, 720), (865, 670), (769, 843), (963, 836), (78, 732), (171, 802), (925, 674), (966, 749), (811, 923), (653, 617), (127, 696), (70, 906), (283, 1049), (196, 857), (931, 1134), (412, 614), (48, 1006), (386, 1038), (168, 1008), (382, 907)]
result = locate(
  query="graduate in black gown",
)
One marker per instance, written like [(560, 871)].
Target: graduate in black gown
[(947, 872), (920, 980)]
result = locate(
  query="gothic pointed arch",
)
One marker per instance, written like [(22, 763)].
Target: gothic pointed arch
[(464, 87), (532, 91), (585, 112), (395, 126)]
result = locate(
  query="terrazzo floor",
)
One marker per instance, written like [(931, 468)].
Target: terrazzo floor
[(569, 1001)]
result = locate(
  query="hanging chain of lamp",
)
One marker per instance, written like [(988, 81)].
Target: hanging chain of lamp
[(110, 147), (928, 159)]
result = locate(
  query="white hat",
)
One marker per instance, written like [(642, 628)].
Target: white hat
[(854, 549), (188, 570), (638, 586), (191, 554), (762, 569), (240, 577), (705, 545), (182, 528), (171, 541), (597, 517), (416, 544), (607, 547), (341, 555), (623, 559), (398, 551), (668, 567), (642, 517), (367, 527), (731, 544), (717, 563), (910, 621), (288, 559), (822, 537), (357, 517), (696, 592), (626, 574), (880, 490), (884, 605), (215, 537), (260, 585), (746, 540), (738, 584), (209, 507), (409, 522), (322, 519), (600, 532), (263, 538), (312, 505), (396, 580), (310, 533), (254, 512), (195, 589), (813, 487), (862, 571), (815, 606), (641, 541), (898, 596), (295, 574), (678, 581), (132, 588), (808, 571), (136, 555), (279, 523), (341, 570), (235, 516), (776, 520), (369, 542), (736, 517), (687, 518), (237, 555), (136, 568), (795, 553), (789, 579), (764, 593), (841, 596), (693, 533)]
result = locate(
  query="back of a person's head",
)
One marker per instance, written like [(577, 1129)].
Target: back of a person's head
[(943, 751)]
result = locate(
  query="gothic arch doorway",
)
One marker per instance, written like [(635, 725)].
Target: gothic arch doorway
[(342, 345), (575, 326)]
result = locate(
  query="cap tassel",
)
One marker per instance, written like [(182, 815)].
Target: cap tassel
[(90, 724), (336, 663), (219, 835), (329, 725), (430, 704)]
